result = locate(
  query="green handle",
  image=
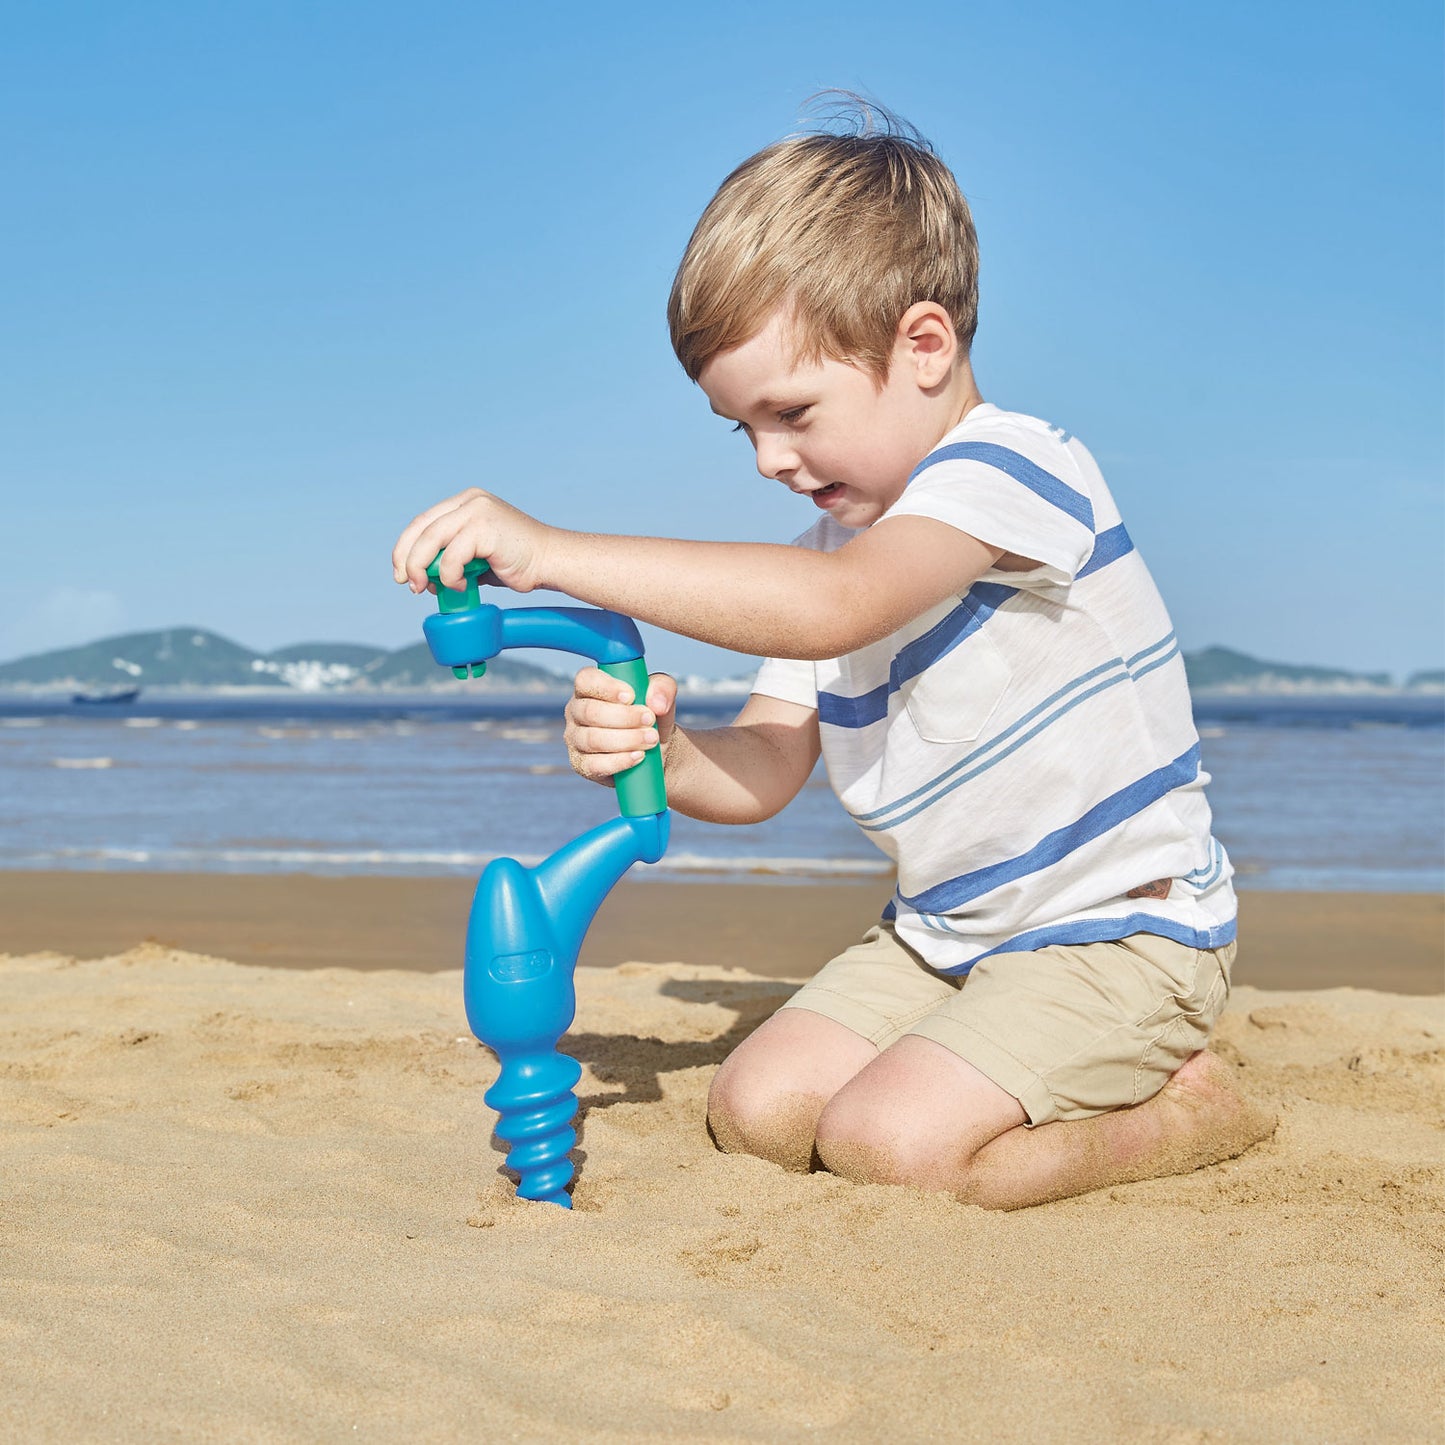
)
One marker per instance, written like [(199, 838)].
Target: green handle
[(467, 598), (640, 789), (463, 601)]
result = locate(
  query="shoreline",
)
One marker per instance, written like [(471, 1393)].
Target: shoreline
[(725, 687), (1391, 942)]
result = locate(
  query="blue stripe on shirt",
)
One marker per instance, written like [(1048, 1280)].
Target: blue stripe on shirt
[(1000, 737), (1205, 868), (1106, 930), (1041, 483), (1202, 877), (842, 711), (854, 712), (1138, 657), (958, 780), (1101, 818), (1108, 547), (1158, 662), (979, 604), (957, 774)]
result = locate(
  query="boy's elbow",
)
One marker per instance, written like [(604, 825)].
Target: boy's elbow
[(765, 806), (816, 649), (837, 633), (843, 617), (828, 627)]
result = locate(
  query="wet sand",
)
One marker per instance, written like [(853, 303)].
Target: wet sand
[(1394, 942)]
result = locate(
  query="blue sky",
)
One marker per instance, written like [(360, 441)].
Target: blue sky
[(280, 275)]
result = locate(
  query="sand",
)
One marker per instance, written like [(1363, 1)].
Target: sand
[(1391, 941), (241, 1202)]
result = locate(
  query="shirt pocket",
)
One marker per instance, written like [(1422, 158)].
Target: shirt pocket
[(952, 700)]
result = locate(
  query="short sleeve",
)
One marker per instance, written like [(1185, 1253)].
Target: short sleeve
[(1035, 506), (788, 681)]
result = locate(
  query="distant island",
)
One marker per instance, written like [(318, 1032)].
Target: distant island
[(1220, 669), (192, 658)]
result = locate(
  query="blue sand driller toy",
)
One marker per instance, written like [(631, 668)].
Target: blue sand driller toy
[(527, 924)]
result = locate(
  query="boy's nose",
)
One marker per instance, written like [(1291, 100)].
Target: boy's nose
[(776, 460)]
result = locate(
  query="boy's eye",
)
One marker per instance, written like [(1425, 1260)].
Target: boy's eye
[(793, 414), (741, 426)]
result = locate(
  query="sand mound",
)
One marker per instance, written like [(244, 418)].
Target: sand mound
[(257, 1203)]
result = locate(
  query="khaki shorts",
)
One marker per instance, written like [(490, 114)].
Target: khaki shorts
[(1068, 1031)]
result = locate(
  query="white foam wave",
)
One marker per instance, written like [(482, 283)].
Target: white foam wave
[(293, 859), (778, 866), (301, 859)]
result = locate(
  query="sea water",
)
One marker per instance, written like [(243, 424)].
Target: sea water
[(1313, 794)]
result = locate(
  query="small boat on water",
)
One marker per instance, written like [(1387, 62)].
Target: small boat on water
[(106, 695)]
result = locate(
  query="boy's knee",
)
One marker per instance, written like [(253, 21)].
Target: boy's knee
[(746, 1116), (860, 1138), (766, 1097)]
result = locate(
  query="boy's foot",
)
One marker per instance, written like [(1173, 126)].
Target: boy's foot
[(1199, 1118)]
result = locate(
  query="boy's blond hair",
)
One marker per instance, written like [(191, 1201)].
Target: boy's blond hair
[(844, 231)]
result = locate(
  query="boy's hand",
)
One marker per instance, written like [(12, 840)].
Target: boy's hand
[(607, 731), (472, 524)]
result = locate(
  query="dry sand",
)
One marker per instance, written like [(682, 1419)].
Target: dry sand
[(253, 1203)]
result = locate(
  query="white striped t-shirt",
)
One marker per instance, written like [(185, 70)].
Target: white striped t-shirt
[(1026, 753)]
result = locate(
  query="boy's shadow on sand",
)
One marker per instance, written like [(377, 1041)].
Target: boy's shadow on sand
[(638, 1063)]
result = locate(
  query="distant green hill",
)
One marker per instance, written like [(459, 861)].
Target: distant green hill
[(1222, 667), (347, 654), (413, 667), (1431, 680), (176, 657), (194, 657)]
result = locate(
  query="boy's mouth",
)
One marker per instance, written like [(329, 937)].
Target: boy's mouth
[(826, 495)]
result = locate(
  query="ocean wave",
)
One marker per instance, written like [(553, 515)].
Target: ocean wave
[(301, 860), (773, 866), (676, 867)]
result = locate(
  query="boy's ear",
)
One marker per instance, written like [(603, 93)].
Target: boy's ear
[(927, 343)]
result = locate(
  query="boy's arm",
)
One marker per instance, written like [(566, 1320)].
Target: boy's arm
[(755, 598), (742, 773)]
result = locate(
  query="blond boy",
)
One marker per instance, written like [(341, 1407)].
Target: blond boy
[(969, 638)]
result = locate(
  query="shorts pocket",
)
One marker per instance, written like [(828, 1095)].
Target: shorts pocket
[(952, 700), (1190, 1021)]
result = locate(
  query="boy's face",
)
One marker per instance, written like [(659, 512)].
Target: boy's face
[(826, 430)]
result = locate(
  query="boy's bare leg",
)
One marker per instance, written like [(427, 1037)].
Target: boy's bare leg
[(766, 1097), (919, 1115)]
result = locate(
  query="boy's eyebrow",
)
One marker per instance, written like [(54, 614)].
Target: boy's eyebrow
[(765, 403)]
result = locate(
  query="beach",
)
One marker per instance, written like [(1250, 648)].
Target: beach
[(259, 1199), (1389, 941)]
